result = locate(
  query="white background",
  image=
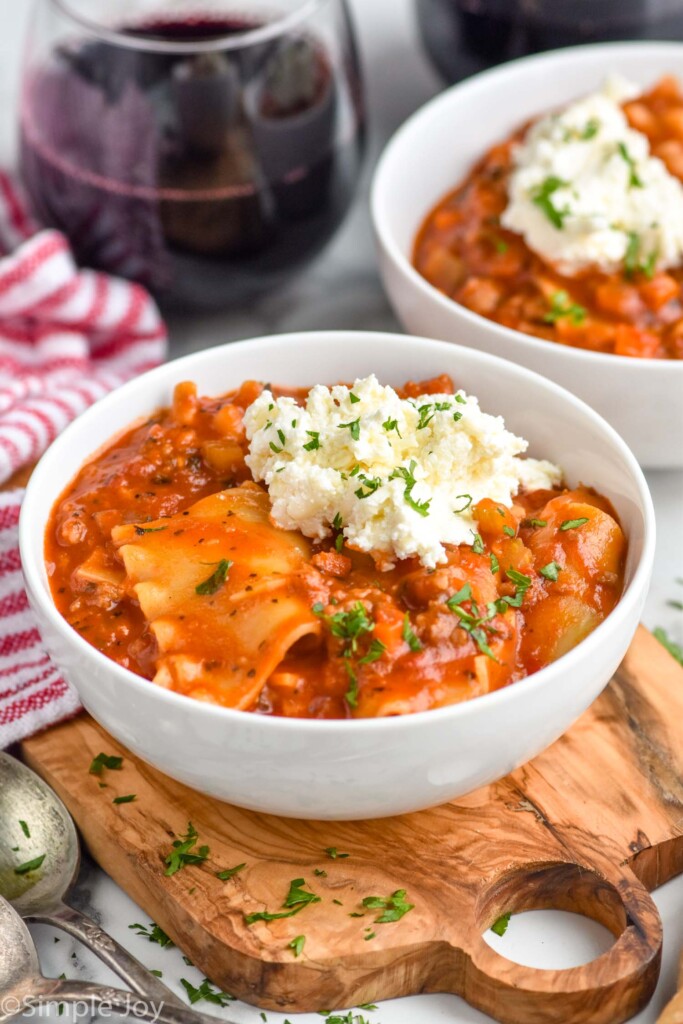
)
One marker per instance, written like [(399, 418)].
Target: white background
[(342, 290)]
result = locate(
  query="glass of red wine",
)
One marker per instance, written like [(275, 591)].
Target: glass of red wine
[(466, 36), (205, 148)]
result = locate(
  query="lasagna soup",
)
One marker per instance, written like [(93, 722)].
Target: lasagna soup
[(572, 229), (342, 552)]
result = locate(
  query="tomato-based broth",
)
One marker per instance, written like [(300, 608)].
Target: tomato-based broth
[(163, 554), (463, 251)]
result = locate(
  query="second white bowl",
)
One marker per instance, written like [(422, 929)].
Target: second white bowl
[(432, 153)]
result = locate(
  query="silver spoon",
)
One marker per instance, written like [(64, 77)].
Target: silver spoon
[(22, 986), (39, 895)]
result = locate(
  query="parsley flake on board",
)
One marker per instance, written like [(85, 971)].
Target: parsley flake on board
[(25, 829), (561, 306), (572, 524), (542, 197), (296, 900), (297, 945), (500, 926), (229, 873), (153, 933), (674, 649), (207, 993), (102, 761), (393, 907), (407, 473), (333, 853), (30, 865), (184, 853), (129, 799), (216, 580)]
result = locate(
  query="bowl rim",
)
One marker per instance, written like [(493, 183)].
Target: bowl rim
[(33, 513), (460, 93)]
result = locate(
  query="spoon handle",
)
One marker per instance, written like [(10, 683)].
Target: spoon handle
[(48, 992), (123, 963)]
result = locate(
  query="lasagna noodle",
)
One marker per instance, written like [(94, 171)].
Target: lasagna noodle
[(219, 646)]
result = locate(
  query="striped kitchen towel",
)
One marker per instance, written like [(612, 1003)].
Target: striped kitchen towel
[(67, 337)]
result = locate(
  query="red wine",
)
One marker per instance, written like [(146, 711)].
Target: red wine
[(466, 36), (206, 176)]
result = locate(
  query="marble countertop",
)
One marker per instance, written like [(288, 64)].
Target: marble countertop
[(342, 290)]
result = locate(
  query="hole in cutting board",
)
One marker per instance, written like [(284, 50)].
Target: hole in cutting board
[(551, 939)]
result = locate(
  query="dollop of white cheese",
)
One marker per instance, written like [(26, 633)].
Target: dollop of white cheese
[(585, 190), (398, 477)]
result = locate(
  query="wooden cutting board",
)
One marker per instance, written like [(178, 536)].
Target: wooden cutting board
[(592, 825)]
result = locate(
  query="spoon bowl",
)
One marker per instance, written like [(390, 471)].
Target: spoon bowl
[(27, 805), (19, 965), (39, 861)]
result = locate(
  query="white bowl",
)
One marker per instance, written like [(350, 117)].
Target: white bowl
[(372, 767), (432, 153)]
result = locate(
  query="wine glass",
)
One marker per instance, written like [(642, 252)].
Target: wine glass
[(466, 36), (205, 148)]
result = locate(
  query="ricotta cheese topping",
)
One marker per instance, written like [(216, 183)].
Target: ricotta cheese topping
[(397, 477), (585, 190)]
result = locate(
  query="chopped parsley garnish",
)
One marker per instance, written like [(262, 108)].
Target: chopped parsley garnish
[(495, 564), (464, 594), (478, 544), (551, 571), (206, 992), (500, 245), (390, 425), (634, 180), (542, 197), (561, 306), (229, 873), (274, 448), (153, 933), (281, 436), (409, 635), (371, 483), (522, 584), (215, 580), (572, 524), (297, 944), (633, 262), (467, 498), (538, 522), (591, 129), (102, 761), (184, 853), (348, 626), (375, 652), (125, 799), (297, 898), (500, 926), (30, 865), (314, 443), (333, 853), (353, 398), (674, 649), (353, 427), (408, 474), (508, 531), (337, 522), (678, 605), (320, 873), (140, 530), (393, 907), (25, 829)]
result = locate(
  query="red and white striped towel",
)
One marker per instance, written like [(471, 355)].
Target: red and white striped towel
[(67, 337)]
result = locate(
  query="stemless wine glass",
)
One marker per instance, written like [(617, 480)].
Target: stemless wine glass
[(466, 36), (205, 148)]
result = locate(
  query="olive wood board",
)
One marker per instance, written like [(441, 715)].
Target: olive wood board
[(592, 825)]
